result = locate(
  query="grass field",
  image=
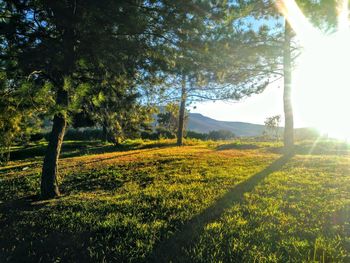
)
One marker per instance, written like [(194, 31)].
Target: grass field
[(204, 202)]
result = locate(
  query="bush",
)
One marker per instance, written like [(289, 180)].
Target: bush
[(36, 137), (84, 135), (146, 135), (166, 134), (196, 135), (221, 135)]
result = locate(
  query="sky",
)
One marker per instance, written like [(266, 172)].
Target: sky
[(254, 109)]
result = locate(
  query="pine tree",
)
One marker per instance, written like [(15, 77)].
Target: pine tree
[(218, 58), (69, 43), (321, 13)]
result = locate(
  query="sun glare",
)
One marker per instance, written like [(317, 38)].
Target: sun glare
[(321, 77)]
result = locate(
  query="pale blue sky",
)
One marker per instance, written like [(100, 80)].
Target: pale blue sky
[(254, 109)]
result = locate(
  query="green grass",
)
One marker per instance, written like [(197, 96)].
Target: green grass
[(298, 214), (204, 202)]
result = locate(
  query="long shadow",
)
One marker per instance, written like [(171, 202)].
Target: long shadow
[(80, 152), (317, 148), (14, 227), (236, 146), (25, 203), (68, 150), (172, 249), (74, 149), (98, 160), (114, 157), (12, 207)]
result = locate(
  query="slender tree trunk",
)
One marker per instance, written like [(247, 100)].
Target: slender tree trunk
[(49, 185), (104, 132), (180, 131), (287, 96)]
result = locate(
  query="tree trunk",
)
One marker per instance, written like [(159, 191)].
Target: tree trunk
[(104, 132), (49, 185), (287, 95), (180, 131)]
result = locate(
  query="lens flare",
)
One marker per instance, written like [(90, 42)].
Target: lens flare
[(321, 89)]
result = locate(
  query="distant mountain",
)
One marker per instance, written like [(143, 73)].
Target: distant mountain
[(199, 123)]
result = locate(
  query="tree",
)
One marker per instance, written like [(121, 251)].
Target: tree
[(218, 58), (168, 120), (315, 11), (272, 128), (69, 43), (321, 13), (287, 94), (114, 105)]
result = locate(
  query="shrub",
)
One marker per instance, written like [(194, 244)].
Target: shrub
[(86, 134), (36, 137), (147, 135), (196, 135), (221, 135)]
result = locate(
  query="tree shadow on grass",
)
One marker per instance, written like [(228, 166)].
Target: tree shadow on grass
[(13, 207), (79, 148), (172, 249), (110, 178), (237, 146), (69, 149), (113, 148), (20, 233), (98, 160), (75, 151), (317, 148), (21, 167), (92, 181)]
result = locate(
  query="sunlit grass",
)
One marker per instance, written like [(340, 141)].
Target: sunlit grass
[(298, 214), (118, 206)]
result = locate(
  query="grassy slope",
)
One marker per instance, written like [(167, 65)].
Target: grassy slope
[(199, 203)]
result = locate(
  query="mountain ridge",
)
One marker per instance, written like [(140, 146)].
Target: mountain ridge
[(199, 123)]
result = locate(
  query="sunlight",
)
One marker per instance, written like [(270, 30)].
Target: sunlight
[(321, 77)]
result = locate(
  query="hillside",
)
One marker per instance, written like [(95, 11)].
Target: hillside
[(199, 123)]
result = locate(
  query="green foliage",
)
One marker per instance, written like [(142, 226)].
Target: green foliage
[(196, 135), (222, 56), (20, 109), (95, 57)]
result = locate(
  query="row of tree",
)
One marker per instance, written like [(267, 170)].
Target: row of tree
[(109, 62)]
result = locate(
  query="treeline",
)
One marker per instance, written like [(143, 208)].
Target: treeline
[(109, 63)]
